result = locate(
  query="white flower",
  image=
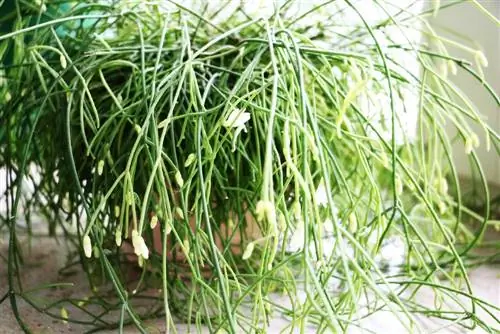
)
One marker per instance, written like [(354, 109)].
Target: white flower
[(140, 248), (328, 225), (237, 119), (320, 195), (353, 222), (87, 246)]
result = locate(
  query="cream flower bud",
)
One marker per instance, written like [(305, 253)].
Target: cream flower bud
[(179, 179), (64, 315), (237, 119), (100, 167), (481, 58), (118, 237), (248, 251), (153, 222), (87, 246), (179, 212), (168, 227), (328, 225), (398, 186), (137, 128), (140, 248), (353, 222), (63, 61), (452, 67), (186, 246), (117, 211), (190, 159), (265, 210)]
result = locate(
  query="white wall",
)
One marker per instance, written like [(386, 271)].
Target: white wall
[(467, 20)]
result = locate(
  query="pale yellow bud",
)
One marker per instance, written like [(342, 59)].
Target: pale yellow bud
[(87, 246), (118, 237), (398, 186), (63, 61), (153, 222), (100, 167), (481, 58), (353, 222), (190, 159), (64, 315), (179, 212), (179, 179), (248, 251)]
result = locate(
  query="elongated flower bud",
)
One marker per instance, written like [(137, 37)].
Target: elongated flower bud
[(179, 213), (118, 237), (87, 246), (63, 61), (179, 179), (353, 222), (190, 159), (64, 315), (100, 167), (153, 222), (248, 251), (399, 186)]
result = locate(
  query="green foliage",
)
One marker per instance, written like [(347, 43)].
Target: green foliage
[(134, 111)]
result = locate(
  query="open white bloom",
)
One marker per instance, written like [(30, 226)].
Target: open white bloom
[(140, 248), (87, 246), (237, 119), (328, 226), (320, 195)]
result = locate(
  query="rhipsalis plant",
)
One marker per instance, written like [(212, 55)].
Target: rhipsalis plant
[(235, 158)]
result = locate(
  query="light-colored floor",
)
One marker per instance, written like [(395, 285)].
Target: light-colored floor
[(47, 257)]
